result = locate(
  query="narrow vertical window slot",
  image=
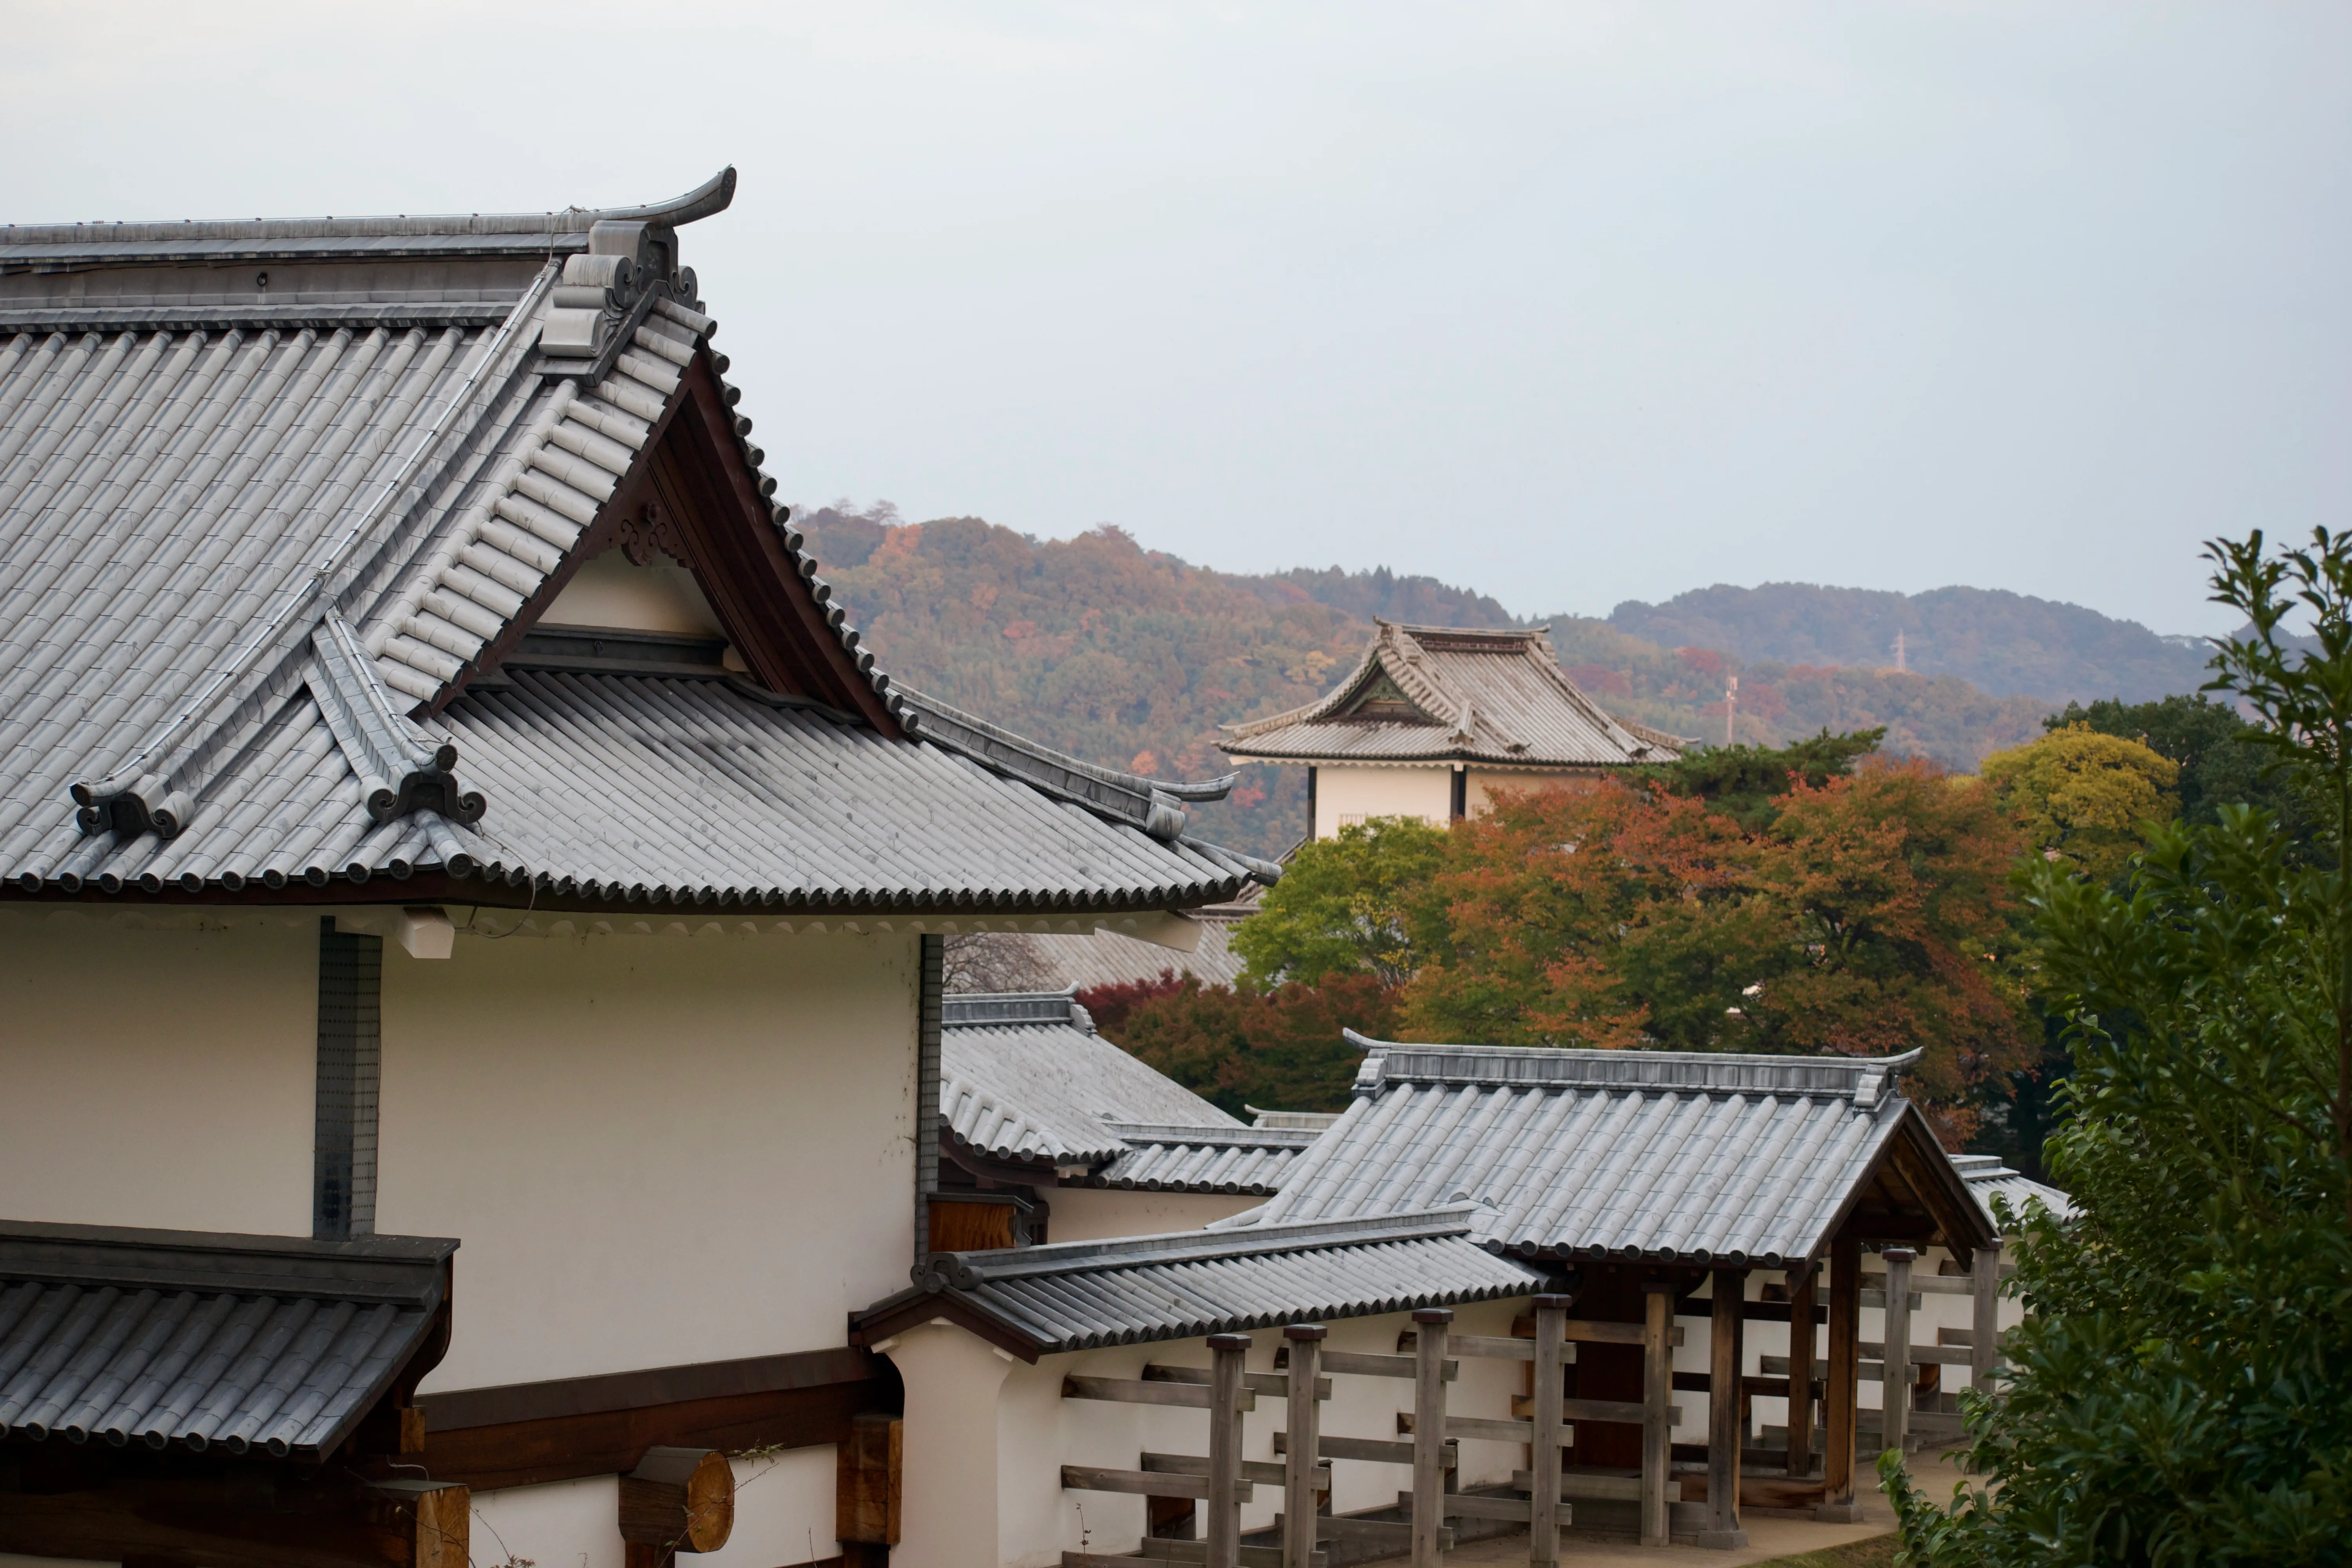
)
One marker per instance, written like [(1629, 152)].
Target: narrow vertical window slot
[(351, 1056)]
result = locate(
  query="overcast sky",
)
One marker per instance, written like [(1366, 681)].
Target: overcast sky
[(1567, 303)]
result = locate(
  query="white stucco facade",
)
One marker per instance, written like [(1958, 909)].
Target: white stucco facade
[(688, 1143), (1005, 1506), (186, 1051), (1346, 794)]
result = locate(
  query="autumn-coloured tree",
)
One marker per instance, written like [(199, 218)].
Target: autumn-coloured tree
[(2082, 797), (1238, 1046), (1869, 916)]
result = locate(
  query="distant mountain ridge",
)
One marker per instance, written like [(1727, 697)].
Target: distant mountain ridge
[(1132, 658), (2008, 645)]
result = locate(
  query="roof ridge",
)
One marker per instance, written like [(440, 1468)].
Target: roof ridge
[(1866, 1080), (712, 197), (966, 1270), (1185, 1133)]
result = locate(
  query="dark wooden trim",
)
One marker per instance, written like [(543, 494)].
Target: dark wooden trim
[(509, 1403), (1838, 1407), (608, 1442), (1801, 1370), (192, 1511), (754, 585)]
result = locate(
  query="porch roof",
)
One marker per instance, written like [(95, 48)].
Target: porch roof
[(1653, 1156), (1069, 1296), (261, 1344)]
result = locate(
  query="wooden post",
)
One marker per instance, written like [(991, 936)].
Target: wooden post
[(1305, 1436), (1429, 1433), (1838, 1505), (867, 1484), (1801, 1370), (1224, 1531), (1550, 1381), (1725, 1430), (1657, 1406), (1895, 1378), (1984, 1335)]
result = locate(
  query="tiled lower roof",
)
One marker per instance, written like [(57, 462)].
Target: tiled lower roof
[(1081, 1295), (1988, 1178), (1683, 1156), (173, 1339), (1252, 1160), (652, 790)]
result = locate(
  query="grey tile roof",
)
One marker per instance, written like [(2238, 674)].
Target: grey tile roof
[(1442, 694), (1584, 1154), (1081, 963), (1081, 1295), (1988, 1178), (1025, 1077), (251, 542), (1253, 1159), (164, 1339)]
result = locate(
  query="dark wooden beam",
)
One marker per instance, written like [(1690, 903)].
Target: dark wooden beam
[(204, 1516), (1844, 1373), (525, 1434), (869, 1481), (1801, 1370), (1724, 1428)]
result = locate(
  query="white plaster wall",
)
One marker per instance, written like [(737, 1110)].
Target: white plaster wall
[(1038, 1432), (1345, 794), (564, 1524), (1090, 1214), (951, 1448), (611, 590), (656, 1149), (783, 1512), (158, 1074)]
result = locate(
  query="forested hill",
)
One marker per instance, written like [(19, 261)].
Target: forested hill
[(2007, 643), (1132, 658)]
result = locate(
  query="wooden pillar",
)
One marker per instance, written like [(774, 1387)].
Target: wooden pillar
[(1224, 1529), (1429, 1435), (869, 1467), (1550, 1382), (1306, 1442), (1657, 1406), (1725, 1430), (1984, 1334), (1801, 1370), (1838, 1505), (1896, 1375)]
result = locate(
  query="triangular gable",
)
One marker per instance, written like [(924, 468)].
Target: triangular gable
[(1383, 699), (693, 495)]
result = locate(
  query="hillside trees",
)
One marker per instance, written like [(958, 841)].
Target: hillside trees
[(1869, 916), (2082, 798), (2182, 1392)]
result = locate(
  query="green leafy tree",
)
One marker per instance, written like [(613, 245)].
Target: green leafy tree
[(1347, 905), (2182, 1392), (1748, 781), (2214, 747), (2081, 797)]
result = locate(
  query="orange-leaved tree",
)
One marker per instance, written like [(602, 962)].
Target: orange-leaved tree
[(1871, 915)]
